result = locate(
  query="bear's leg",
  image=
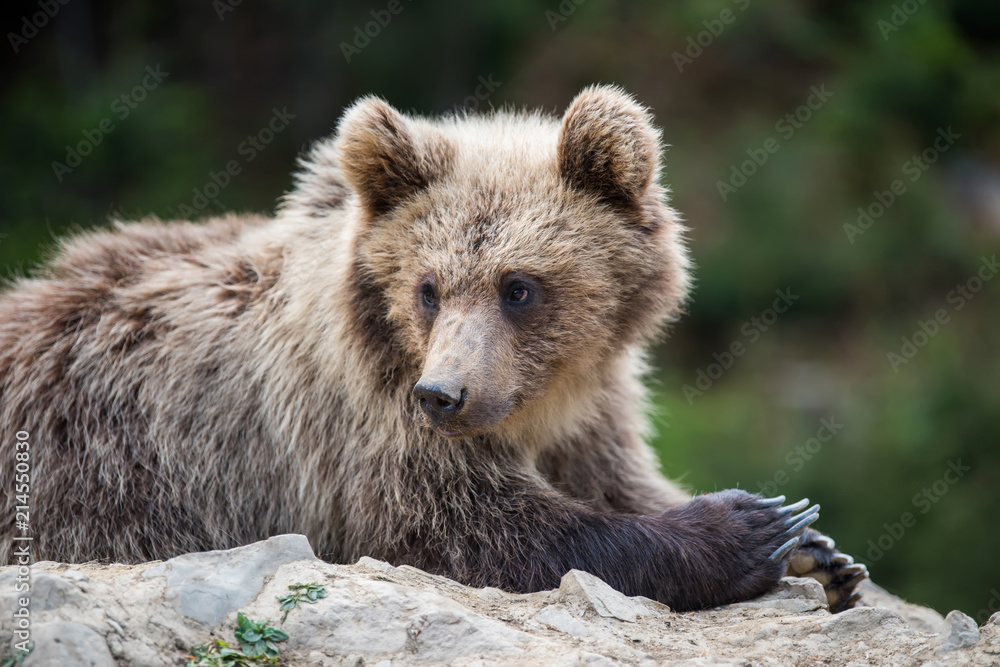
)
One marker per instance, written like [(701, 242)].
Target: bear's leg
[(518, 534), (818, 558), (608, 474)]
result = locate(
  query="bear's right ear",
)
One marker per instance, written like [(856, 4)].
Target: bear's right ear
[(384, 158)]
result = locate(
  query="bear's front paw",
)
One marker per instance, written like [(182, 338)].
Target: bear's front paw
[(817, 557), (754, 537)]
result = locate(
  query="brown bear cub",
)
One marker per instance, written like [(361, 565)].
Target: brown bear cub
[(431, 355)]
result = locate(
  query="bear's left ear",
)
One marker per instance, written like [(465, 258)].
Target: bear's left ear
[(609, 146), (385, 157)]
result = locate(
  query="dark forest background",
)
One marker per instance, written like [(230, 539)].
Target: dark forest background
[(903, 452)]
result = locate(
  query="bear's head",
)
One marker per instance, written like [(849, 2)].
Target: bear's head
[(503, 265)]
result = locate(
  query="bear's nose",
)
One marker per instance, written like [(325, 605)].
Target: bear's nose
[(437, 401)]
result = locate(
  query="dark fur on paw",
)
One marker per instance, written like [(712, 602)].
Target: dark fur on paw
[(747, 541), (817, 557)]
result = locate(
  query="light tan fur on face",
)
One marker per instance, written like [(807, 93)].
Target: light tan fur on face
[(203, 386), (523, 173)]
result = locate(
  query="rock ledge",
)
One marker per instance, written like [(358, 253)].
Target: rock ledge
[(376, 614)]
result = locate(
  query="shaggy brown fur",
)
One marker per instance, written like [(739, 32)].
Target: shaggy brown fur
[(430, 356)]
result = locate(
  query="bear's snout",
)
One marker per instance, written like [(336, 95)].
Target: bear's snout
[(464, 389)]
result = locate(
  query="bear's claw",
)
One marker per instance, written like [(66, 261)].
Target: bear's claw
[(783, 550), (795, 524), (799, 522), (771, 502), (836, 571), (860, 573), (842, 558), (794, 507)]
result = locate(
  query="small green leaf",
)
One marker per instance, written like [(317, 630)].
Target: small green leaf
[(251, 636)]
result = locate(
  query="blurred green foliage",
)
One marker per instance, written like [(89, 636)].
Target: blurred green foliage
[(894, 88)]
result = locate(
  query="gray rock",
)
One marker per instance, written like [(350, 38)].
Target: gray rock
[(558, 618), (921, 619), (794, 595), (600, 597), (377, 565), (370, 619), (964, 631), (209, 585), (859, 621), (63, 643), (50, 591)]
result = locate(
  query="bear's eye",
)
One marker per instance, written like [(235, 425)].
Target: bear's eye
[(429, 296), (518, 293)]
